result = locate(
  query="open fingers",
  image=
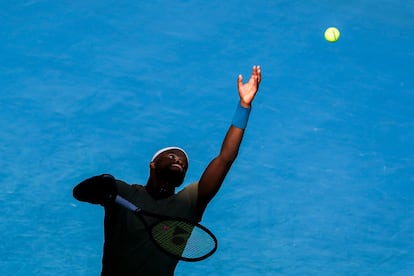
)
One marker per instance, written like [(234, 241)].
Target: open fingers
[(255, 78), (257, 74)]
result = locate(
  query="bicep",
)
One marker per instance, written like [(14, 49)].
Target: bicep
[(211, 181)]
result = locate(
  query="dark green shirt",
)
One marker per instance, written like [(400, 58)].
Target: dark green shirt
[(128, 249)]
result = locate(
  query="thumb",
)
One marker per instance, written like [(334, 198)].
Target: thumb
[(239, 81)]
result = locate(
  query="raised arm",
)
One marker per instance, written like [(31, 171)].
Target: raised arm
[(213, 176)]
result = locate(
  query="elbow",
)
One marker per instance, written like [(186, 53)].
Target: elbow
[(76, 193), (80, 192), (229, 159)]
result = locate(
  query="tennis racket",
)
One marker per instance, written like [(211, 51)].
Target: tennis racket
[(180, 238)]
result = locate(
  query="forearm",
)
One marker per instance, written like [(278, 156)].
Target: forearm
[(99, 189), (218, 168), (234, 136), (231, 144)]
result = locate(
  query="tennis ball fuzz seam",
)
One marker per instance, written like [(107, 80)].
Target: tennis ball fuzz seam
[(332, 34)]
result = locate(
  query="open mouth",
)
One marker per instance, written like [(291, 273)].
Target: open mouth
[(177, 166)]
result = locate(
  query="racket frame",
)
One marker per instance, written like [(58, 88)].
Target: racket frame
[(140, 213)]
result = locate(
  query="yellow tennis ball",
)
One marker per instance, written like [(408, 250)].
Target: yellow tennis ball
[(332, 34)]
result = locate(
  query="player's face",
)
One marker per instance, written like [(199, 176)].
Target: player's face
[(172, 166)]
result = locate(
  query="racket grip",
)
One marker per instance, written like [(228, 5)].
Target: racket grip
[(122, 201)]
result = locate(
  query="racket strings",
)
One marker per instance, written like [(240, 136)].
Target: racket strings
[(183, 239)]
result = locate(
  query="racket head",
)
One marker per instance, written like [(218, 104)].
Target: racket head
[(184, 240)]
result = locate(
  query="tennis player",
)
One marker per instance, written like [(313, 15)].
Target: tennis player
[(127, 247)]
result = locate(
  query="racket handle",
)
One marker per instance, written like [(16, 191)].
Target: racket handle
[(122, 201)]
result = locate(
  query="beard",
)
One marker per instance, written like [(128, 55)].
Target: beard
[(172, 176)]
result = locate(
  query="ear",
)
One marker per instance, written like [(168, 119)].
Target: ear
[(152, 165)]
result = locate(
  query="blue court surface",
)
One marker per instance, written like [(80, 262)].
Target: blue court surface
[(323, 184)]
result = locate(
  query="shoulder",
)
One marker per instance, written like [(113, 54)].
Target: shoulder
[(125, 188), (190, 190)]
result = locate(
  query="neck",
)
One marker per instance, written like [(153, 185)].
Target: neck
[(159, 190)]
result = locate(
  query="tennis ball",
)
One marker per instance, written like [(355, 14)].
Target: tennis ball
[(332, 34)]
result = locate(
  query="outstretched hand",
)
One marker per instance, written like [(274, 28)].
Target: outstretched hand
[(248, 91)]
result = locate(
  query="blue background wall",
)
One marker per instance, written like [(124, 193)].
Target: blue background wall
[(324, 180)]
